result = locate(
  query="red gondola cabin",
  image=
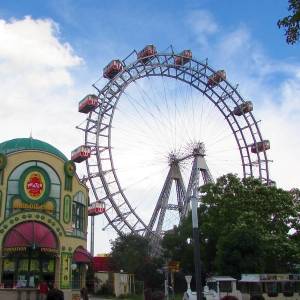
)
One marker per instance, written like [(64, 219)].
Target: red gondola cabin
[(146, 53), (260, 146), (88, 104), (216, 78), (81, 153), (184, 57), (112, 69), (245, 107), (96, 208)]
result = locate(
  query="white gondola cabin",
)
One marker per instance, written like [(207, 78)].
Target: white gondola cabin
[(260, 146), (81, 153), (243, 108), (216, 78), (112, 69), (184, 57), (96, 208), (146, 53), (88, 104)]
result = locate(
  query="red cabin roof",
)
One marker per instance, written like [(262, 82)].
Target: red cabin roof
[(88, 103), (102, 264), (112, 69), (146, 53), (216, 78), (96, 208), (183, 57), (81, 153)]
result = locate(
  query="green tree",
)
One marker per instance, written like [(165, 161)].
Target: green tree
[(234, 211), (177, 246), (245, 227), (131, 253), (291, 23)]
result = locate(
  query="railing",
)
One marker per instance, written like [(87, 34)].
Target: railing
[(19, 294)]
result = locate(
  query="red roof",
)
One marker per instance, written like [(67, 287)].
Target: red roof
[(81, 255), (102, 264), (30, 234)]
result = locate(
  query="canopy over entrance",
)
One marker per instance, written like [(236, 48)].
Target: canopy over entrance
[(81, 255), (31, 235)]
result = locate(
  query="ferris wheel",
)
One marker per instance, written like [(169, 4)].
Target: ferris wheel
[(159, 125)]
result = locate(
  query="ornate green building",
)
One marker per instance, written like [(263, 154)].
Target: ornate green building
[(43, 219)]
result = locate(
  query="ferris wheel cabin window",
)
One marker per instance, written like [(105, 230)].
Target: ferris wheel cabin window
[(79, 214)]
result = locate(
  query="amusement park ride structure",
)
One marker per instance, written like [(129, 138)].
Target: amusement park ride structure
[(110, 197)]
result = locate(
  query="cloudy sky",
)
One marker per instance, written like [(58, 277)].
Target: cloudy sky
[(52, 51)]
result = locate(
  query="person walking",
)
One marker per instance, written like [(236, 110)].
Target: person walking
[(54, 293), (43, 290), (84, 294)]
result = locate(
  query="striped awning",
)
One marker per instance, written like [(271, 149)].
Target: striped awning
[(33, 235), (81, 255)]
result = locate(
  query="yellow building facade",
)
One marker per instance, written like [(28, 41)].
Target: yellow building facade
[(43, 220)]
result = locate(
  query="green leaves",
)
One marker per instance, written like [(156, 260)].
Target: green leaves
[(131, 254), (291, 23), (245, 227)]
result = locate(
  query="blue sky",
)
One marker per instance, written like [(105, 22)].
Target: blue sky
[(52, 51), (93, 26)]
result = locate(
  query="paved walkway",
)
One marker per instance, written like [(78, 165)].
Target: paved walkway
[(94, 297)]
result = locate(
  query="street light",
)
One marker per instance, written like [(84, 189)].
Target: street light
[(196, 244)]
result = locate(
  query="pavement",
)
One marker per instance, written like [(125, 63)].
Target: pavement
[(94, 297)]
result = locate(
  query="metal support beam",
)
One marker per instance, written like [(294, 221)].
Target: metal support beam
[(92, 235)]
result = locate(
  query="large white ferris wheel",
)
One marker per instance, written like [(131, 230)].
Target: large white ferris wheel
[(159, 125)]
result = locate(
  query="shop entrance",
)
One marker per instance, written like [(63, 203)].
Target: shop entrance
[(27, 269), (30, 253)]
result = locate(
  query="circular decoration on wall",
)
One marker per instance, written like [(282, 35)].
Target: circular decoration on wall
[(34, 185), (70, 168), (3, 161)]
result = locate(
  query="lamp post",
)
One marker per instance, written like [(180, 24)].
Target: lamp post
[(166, 271), (194, 201)]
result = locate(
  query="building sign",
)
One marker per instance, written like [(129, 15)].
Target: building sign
[(65, 270), (49, 250), (34, 185), (14, 249), (47, 206)]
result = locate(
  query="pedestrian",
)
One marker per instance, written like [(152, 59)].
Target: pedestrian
[(84, 294), (43, 290), (54, 293)]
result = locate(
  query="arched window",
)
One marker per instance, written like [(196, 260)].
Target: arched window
[(15, 202), (79, 212)]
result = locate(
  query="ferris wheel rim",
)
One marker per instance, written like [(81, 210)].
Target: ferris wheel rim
[(140, 68)]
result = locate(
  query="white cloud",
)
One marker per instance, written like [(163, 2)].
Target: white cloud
[(27, 41), (273, 86), (37, 87), (203, 23)]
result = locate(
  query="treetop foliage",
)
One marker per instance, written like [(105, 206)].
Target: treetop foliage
[(291, 23), (131, 253), (245, 227)]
